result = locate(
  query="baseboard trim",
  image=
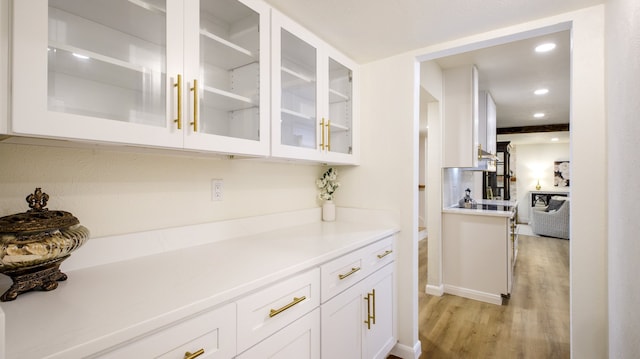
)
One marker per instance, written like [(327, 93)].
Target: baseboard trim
[(473, 294), (407, 352), (437, 290)]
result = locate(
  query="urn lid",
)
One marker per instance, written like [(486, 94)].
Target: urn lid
[(37, 219)]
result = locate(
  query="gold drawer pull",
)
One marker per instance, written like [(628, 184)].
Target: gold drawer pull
[(386, 253), (353, 270), (188, 355), (295, 301)]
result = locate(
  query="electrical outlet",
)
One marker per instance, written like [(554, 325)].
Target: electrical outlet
[(217, 189)]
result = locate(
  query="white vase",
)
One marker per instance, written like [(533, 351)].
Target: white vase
[(328, 211)]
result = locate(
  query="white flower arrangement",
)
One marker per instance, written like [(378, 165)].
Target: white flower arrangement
[(328, 184)]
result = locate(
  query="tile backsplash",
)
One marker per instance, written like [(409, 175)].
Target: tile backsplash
[(455, 181)]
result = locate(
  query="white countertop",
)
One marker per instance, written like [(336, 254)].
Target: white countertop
[(100, 306), (484, 212)]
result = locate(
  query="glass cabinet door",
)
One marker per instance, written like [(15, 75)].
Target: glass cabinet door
[(108, 59), (226, 66), (229, 70), (298, 91), (339, 124), (97, 70), (313, 97)]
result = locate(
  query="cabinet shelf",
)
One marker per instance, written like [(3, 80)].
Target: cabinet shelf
[(149, 6), (295, 76), (82, 54), (336, 96), (298, 84), (298, 115), (90, 66), (338, 127), (225, 54), (226, 100)]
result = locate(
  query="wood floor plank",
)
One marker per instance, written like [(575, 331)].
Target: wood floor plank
[(533, 323)]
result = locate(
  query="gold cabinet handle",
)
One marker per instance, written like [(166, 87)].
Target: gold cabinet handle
[(188, 355), (353, 270), (373, 295), (178, 85), (386, 253), (195, 105), (295, 301), (328, 146), (370, 298), (322, 134)]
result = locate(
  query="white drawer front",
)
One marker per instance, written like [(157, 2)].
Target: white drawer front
[(343, 272), (298, 340), (265, 312), (214, 332), (379, 254)]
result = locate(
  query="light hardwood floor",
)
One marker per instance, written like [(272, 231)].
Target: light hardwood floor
[(534, 323)]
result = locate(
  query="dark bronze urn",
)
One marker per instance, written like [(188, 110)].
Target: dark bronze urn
[(34, 243)]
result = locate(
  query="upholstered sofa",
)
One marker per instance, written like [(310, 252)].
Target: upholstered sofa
[(548, 221)]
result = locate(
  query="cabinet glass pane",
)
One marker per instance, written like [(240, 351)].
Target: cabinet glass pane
[(340, 108), (107, 59), (229, 69), (298, 81)]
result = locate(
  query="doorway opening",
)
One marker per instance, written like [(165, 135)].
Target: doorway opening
[(535, 143)]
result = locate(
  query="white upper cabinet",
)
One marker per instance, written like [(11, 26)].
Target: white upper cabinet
[(227, 76), (313, 97), (469, 125), (96, 70), (183, 74), (124, 72), (460, 119), (487, 125)]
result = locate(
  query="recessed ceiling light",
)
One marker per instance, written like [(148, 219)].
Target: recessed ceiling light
[(538, 115), (555, 139), (545, 47), (541, 91)]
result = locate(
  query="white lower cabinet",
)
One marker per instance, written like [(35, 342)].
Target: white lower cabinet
[(477, 254), (213, 334), (379, 337), (298, 340), (359, 322), (286, 320), (267, 311)]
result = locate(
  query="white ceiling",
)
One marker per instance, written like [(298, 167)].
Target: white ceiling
[(368, 30), (511, 72)]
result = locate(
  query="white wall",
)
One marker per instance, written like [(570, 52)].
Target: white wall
[(431, 82), (535, 161), (387, 177), (588, 170), (118, 192), (422, 158), (623, 109)]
